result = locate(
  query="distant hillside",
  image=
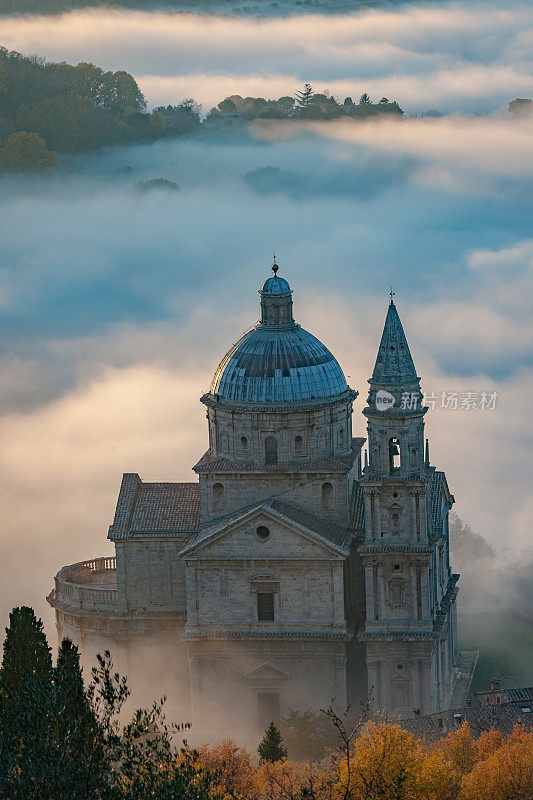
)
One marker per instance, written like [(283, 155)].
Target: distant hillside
[(80, 108), (48, 108), (237, 7)]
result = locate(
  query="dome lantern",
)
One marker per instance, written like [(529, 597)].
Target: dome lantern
[(276, 300)]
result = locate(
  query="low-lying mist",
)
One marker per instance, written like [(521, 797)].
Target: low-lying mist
[(117, 305)]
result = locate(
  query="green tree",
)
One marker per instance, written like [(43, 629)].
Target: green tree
[(521, 106), (27, 152), (271, 747), (26, 652), (307, 734), (304, 96), (25, 702), (227, 106)]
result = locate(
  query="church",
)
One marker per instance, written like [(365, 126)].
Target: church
[(294, 572)]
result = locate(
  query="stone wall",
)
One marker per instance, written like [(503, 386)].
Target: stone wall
[(300, 435), (150, 574), (325, 494), (228, 676), (225, 575)]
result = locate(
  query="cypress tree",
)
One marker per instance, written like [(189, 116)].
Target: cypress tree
[(26, 708), (26, 652), (77, 744), (304, 96), (271, 747)]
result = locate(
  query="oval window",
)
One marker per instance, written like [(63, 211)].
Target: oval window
[(262, 532)]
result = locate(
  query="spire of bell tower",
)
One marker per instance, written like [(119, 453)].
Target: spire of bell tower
[(394, 363)]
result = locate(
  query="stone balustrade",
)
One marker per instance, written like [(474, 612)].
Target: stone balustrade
[(85, 585)]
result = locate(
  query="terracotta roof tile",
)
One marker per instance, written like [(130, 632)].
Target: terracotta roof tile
[(155, 508), (339, 463)]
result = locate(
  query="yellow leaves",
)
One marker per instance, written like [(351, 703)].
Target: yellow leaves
[(458, 747), (236, 774), (506, 773), (384, 763), (434, 780)]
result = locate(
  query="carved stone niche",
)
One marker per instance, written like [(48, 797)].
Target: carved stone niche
[(395, 513), (397, 591)]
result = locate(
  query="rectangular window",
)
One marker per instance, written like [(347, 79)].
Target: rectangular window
[(267, 709), (265, 606)]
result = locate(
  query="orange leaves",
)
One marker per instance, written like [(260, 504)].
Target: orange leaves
[(458, 748), (384, 763), (232, 766), (504, 772)]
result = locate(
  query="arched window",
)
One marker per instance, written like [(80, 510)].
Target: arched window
[(299, 444), (244, 444), (394, 454), (327, 495), (413, 456), (271, 451), (218, 497), (340, 436)]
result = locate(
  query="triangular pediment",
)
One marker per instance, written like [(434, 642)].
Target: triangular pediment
[(261, 513), (266, 671)]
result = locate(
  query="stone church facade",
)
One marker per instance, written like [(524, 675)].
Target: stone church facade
[(291, 573)]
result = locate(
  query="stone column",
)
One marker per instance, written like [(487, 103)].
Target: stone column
[(412, 588), (369, 591), (412, 532), (423, 517), (381, 594), (377, 514), (368, 516)]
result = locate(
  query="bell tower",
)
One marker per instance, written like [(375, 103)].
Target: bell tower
[(410, 629)]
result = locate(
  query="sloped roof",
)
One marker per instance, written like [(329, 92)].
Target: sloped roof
[(518, 695), (335, 464), (357, 512), (480, 718), (438, 492), (325, 529), (155, 508), (394, 363)]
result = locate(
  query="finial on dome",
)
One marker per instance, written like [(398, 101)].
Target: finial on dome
[(275, 266)]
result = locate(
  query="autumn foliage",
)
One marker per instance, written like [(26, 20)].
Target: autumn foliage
[(385, 762)]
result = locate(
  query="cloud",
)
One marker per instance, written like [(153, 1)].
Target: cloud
[(501, 146), (456, 58)]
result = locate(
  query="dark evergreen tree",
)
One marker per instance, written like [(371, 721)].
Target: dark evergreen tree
[(26, 652), (26, 709), (305, 96), (271, 747)]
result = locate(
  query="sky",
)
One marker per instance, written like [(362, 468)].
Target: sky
[(471, 57), (116, 305)]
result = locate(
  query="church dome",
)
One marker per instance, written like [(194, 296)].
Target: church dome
[(278, 361), (276, 285)]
